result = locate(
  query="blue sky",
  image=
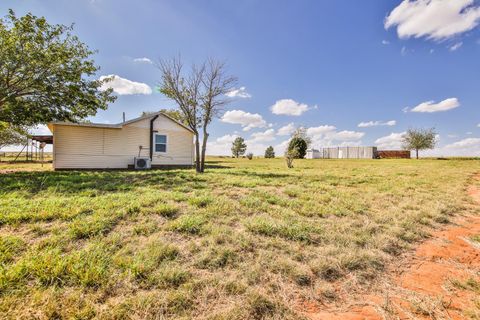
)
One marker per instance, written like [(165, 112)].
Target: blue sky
[(324, 65)]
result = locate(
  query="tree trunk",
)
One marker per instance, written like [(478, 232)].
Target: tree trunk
[(197, 153), (416, 151), (204, 148)]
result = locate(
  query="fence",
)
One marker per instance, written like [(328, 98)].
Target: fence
[(393, 154), (342, 153)]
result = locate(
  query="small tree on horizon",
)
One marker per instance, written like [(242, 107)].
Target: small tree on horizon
[(238, 147), (419, 139), (269, 153)]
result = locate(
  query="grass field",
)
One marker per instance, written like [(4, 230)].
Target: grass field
[(247, 239)]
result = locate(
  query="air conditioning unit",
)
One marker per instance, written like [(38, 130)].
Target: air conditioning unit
[(142, 163)]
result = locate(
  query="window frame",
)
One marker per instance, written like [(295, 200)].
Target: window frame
[(155, 142)]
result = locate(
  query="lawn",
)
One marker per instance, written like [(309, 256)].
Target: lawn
[(247, 239)]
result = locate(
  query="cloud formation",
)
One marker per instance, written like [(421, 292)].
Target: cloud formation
[(221, 145), (431, 106), (266, 136), (289, 107), (286, 130), (246, 119), (238, 93), (465, 143), (124, 86), (320, 130), (376, 123), (467, 147), (433, 19), (455, 46), (143, 60), (327, 135), (392, 141)]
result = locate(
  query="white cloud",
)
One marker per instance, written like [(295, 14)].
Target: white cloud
[(287, 130), (469, 133), (392, 141), (455, 46), (431, 106), (256, 143), (228, 138), (327, 135), (433, 19), (246, 119), (465, 143), (268, 135), (289, 107), (238, 93), (143, 60), (124, 86), (385, 42), (467, 147), (345, 135), (376, 124), (281, 147), (221, 145), (403, 51), (320, 130)]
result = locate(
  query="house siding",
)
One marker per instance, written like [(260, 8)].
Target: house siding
[(81, 147)]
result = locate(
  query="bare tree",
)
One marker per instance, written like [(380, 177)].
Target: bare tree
[(200, 96), (186, 94), (216, 84)]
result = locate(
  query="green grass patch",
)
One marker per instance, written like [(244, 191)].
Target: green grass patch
[(240, 241)]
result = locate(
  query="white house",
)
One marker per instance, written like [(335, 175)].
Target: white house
[(114, 146)]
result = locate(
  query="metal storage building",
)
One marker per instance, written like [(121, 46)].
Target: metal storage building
[(342, 153)]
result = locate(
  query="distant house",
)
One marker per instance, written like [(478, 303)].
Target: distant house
[(114, 146)]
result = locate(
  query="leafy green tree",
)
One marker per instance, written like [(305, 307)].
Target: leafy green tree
[(238, 147), (45, 73), (11, 135), (299, 145), (301, 133), (419, 139), (269, 152)]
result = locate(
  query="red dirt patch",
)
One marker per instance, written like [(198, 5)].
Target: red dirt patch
[(422, 288)]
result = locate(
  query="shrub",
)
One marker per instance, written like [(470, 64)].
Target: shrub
[(298, 147), (249, 156), (289, 156)]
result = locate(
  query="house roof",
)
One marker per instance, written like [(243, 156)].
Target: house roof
[(119, 125)]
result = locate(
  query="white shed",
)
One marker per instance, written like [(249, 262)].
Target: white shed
[(114, 146)]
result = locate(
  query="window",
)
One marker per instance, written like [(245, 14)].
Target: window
[(160, 143)]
